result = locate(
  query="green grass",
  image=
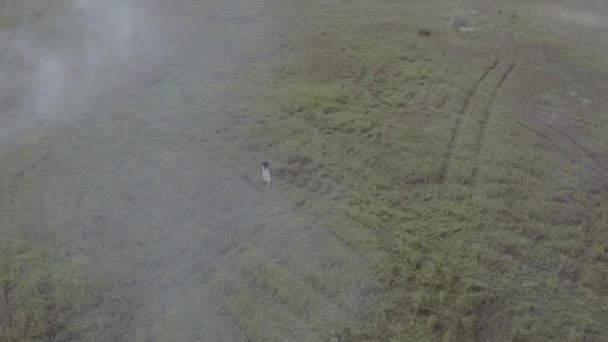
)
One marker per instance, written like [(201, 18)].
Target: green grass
[(361, 126), (413, 199)]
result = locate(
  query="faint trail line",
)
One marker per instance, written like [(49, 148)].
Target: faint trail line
[(571, 141), (322, 301), (481, 134), (475, 89), (585, 151), (546, 138), (449, 155), (442, 102)]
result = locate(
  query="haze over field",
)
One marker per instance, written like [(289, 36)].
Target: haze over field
[(440, 170)]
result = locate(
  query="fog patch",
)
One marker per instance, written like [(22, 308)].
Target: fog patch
[(579, 17), (52, 65)]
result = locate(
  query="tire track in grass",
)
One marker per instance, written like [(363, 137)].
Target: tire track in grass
[(585, 151), (557, 137), (481, 134), (264, 274), (271, 278), (547, 138), (318, 270), (259, 302), (457, 126)]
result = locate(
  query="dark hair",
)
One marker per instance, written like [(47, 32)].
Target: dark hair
[(265, 164)]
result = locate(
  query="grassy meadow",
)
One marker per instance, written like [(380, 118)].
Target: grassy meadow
[(439, 167)]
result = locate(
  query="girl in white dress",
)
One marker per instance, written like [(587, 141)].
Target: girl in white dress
[(266, 173)]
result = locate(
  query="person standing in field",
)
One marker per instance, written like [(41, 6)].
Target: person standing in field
[(266, 173)]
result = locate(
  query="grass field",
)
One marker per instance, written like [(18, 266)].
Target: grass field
[(440, 174)]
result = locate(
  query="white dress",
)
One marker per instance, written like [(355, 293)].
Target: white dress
[(266, 175)]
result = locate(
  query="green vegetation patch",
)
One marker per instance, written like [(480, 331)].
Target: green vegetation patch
[(484, 229)]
